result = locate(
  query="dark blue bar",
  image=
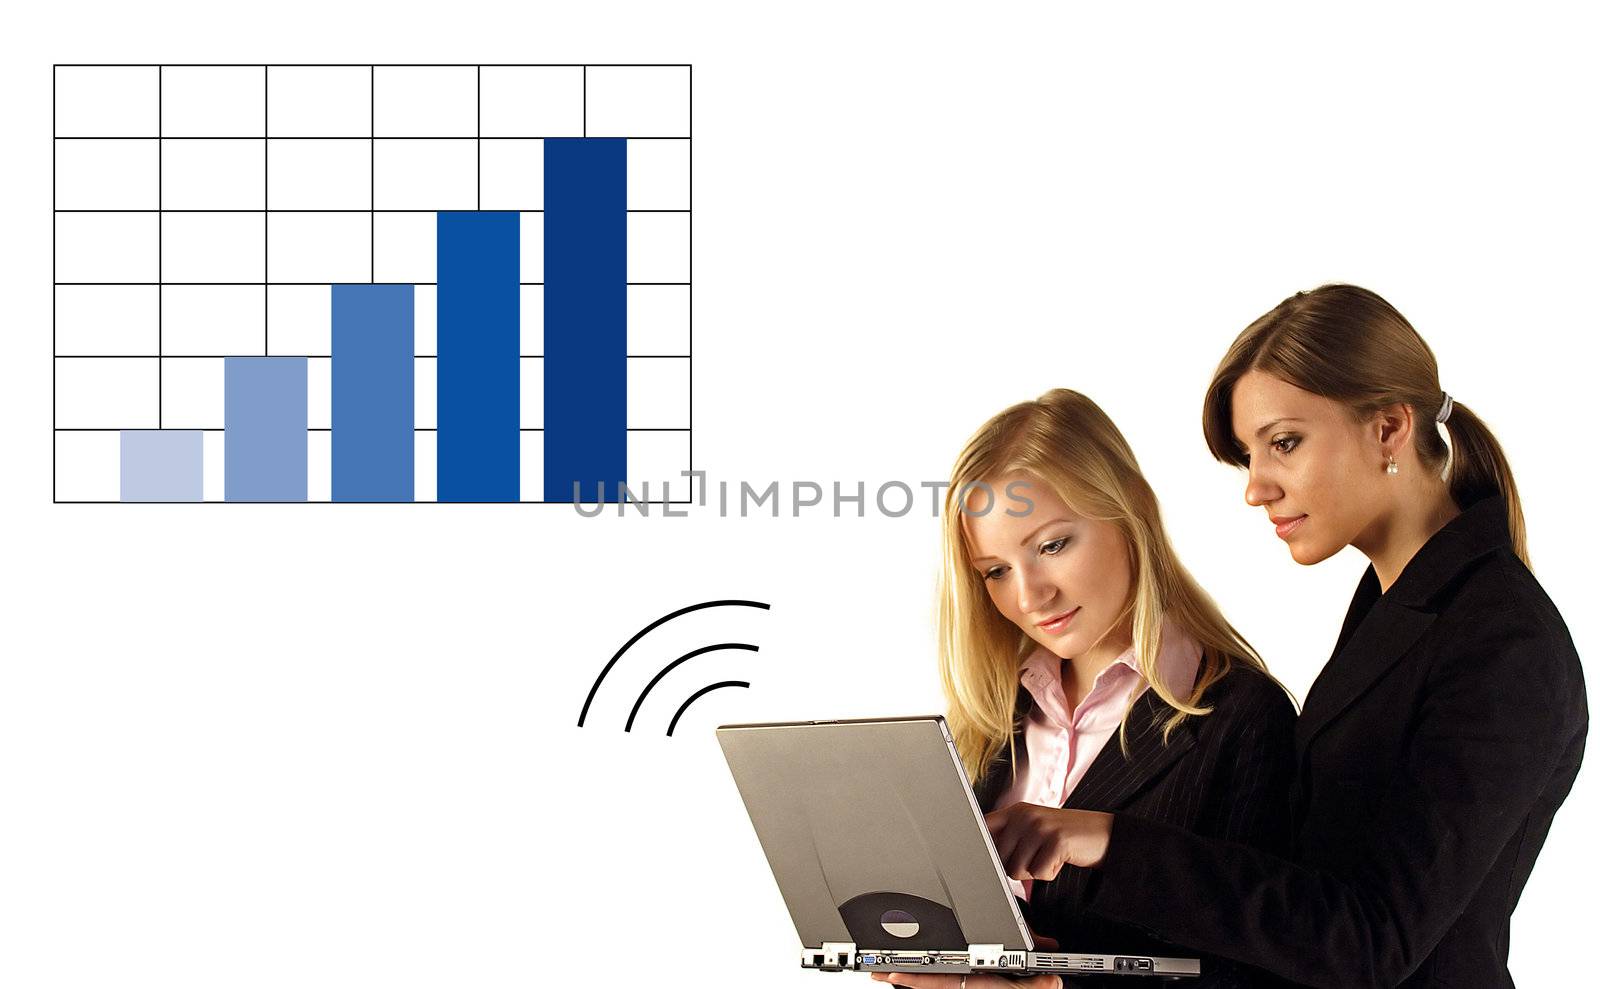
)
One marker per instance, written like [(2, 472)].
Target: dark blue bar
[(480, 438), (374, 393), (264, 429), (585, 318)]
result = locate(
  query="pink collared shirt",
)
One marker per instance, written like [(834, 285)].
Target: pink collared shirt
[(1060, 745)]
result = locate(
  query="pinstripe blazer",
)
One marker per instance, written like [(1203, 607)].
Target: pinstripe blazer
[(1225, 775)]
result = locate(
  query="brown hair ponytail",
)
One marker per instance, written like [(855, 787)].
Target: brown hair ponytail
[(1346, 343)]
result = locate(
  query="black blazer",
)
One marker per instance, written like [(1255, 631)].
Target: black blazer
[(1433, 752), (1225, 774)]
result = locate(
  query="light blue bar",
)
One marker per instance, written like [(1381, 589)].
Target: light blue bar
[(264, 416), (161, 465)]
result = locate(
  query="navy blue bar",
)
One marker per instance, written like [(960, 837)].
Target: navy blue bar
[(374, 386), (585, 318), (480, 456)]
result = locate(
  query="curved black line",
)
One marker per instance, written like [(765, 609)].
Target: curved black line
[(646, 630), (701, 693), (674, 665)]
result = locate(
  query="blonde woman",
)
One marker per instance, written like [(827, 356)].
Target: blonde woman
[(1085, 668)]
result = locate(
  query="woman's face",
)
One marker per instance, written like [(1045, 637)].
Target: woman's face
[(1318, 473), (1061, 578)]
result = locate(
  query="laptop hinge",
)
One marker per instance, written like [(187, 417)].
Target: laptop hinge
[(833, 956), (985, 955)]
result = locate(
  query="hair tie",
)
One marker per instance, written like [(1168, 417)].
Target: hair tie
[(1445, 409)]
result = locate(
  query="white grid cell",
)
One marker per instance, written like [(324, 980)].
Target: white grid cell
[(320, 247), (425, 101), (658, 247), (658, 174), (658, 320), (319, 101), (89, 465), (532, 483), (532, 316), (405, 247), (532, 372), (213, 175), (192, 392), (638, 101), (658, 393), (107, 320), (319, 393), (426, 475), (319, 466), (213, 451), (319, 174), (426, 175), (107, 101), (213, 101), (425, 314), (213, 247), (512, 174), (107, 247), (532, 247), (107, 392), (425, 398), (108, 174), (532, 101), (660, 457), (299, 320), (201, 320)]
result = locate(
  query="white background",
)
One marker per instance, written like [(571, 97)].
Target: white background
[(326, 745)]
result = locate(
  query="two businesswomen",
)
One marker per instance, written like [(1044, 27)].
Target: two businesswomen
[(1441, 737), (1084, 667)]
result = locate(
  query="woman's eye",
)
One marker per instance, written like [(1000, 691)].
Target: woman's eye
[(1284, 444), (1053, 547), (994, 573)]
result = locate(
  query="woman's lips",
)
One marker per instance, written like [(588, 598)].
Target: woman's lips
[(1056, 625), (1287, 527)]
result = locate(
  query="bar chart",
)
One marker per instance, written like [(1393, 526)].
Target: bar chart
[(372, 283)]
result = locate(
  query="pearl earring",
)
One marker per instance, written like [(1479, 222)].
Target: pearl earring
[(1393, 467)]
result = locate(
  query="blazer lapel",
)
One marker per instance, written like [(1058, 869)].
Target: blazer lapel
[(1113, 779), (1384, 635)]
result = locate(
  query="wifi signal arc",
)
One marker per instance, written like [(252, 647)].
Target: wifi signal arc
[(699, 694), (674, 665), (731, 602)]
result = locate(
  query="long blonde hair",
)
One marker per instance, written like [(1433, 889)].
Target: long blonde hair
[(1071, 447)]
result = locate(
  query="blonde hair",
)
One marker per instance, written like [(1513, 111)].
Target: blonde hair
[(1071, 447), (1346, 343)]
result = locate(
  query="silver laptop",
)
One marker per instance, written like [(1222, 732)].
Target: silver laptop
[(882, 855)]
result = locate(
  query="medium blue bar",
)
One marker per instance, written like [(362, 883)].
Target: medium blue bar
[(161, 465), (480, 438), (374, 393), (585, 318), (264, 420)]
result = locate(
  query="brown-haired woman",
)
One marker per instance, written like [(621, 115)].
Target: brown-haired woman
[(1438, 742)]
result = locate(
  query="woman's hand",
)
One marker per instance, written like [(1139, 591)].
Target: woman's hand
[(1036, 842), (917, 980)]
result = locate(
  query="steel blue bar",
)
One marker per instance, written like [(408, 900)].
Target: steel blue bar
[(479, 313), (264, 423), (585, 318), (374, 393)]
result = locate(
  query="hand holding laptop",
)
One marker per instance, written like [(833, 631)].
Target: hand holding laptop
[(1035, 842)]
